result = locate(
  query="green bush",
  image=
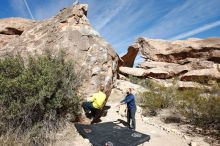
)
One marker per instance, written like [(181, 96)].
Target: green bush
[(156, 98), (35, 93), (200, 107), (143, 82)]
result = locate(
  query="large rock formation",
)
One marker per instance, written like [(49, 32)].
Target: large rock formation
[(187, 60), (69, 31), (181, 50), (11, 28), (128, 59), (15, 26)]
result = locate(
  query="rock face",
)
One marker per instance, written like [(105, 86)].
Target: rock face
[(191, 60), (11, 28), (120, 87), (180, 51), (15, 26), (70, 31), (128, 59)]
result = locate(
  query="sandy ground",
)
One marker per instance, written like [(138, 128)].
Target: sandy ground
[(161, 134)]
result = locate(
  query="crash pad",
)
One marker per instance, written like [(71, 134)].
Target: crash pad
[(111, 134)]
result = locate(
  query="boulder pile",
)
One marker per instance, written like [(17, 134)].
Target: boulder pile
[(190, 61)]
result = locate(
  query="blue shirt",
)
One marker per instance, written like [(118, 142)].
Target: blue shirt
[(130, 101)]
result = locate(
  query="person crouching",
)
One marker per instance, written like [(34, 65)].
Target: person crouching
[(95, 103)]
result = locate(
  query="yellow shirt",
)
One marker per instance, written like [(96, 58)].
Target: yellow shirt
[(98, 99)]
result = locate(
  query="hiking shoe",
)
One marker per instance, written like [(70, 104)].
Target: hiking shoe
[(89, 112), (88, 115), (132, 128)]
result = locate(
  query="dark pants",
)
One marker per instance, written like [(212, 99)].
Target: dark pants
[(88, 108), (131, 116)]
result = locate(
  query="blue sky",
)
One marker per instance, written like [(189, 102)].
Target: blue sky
[(120, 22)]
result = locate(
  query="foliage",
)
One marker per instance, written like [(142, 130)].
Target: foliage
[(143, 82), (156, 98), (35, 93), (200, 107)]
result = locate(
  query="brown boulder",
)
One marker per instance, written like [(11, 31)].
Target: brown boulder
[(171, 69), (201, 75), (139, 72), (11, 28), (15, 26), (4, 39), (187, 60), (179, 84), (177, 51), (128, 59), (70, 31), (154, 64)]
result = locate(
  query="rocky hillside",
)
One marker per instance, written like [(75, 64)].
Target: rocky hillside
[(70, 31), (190, 61)]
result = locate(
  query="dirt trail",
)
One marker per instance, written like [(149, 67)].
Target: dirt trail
[(160, 134)]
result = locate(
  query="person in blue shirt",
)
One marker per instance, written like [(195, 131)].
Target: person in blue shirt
[(131, 108)]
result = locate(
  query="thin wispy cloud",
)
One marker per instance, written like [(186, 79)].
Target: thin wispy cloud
[(28, 8), (120, 22), (184, 17), (107, 11), (197, 30), (125, 24)]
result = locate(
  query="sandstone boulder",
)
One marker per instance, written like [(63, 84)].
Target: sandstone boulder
[(202, 64), (138, 72), (4, 39), (120, 87), (15, 26), (128, 59), (124, 85), (154, 64), (186, 60), (168, 69), (11, 28), (177, 51), (201, 75), (179, 84), (71, 31)]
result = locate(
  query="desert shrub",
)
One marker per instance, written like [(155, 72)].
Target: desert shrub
[(156, 98), (199, 103), (200, 107), (35, 94), (145, 82), (153, 99)]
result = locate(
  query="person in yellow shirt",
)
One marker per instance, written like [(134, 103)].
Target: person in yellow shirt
[(95, 103)]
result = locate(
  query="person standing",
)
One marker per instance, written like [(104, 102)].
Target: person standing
[(131, 108)]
